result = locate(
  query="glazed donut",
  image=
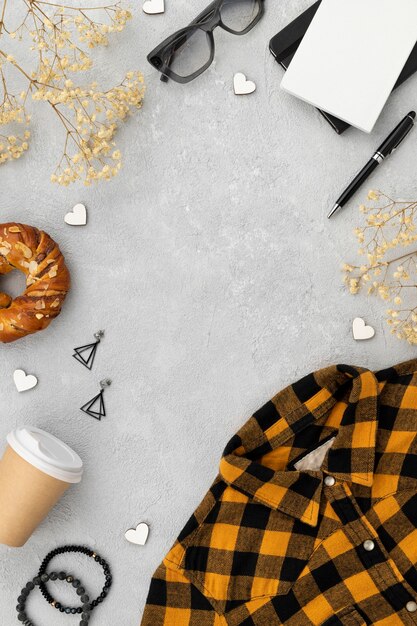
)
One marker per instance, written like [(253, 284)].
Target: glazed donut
[(34, 253)]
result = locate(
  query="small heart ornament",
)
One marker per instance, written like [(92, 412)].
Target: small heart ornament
[(77, 217), (243, 86), (361, 331), (138, 535), (24, 382), (153, 7)]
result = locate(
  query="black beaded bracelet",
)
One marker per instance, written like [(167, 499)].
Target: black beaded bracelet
[(41, 580), (75, 582)]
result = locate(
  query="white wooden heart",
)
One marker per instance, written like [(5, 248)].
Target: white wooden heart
[(243, 86), (153, 7), (361, 331), (24, 382), (77, 217), (138, 535)]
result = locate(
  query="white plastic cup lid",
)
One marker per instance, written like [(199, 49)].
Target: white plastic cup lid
[(47, 453)]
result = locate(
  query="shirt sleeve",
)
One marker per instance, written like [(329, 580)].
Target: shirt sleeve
[(175, 601)]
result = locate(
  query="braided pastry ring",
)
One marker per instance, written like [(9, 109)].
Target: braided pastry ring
[(34, 253)]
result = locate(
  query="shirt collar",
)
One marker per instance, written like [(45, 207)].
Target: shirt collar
[(351, 395)]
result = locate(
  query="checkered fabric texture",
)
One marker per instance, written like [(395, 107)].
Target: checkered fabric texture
[(271, 544)]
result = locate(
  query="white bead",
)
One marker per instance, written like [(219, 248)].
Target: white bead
[(329, 481), (369, 545), (411, 606)]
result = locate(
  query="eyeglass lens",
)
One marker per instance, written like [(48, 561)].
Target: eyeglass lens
[(239, 14), (193, 50), (191, 53)]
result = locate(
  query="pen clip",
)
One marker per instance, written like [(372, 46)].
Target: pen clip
[(402, 138)]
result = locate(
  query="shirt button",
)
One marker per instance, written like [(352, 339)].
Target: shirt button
[(369, 546), (411, 606), (329, 481)]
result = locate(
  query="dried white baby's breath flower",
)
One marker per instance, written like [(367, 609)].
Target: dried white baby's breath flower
[(391, 276), (61, 40)]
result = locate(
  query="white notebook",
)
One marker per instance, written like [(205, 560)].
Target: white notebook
[(351, 56)]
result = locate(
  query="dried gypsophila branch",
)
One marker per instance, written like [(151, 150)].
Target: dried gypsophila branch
[(89, 115), (12, 146), (389, 226)]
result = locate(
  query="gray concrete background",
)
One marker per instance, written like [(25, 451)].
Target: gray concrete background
[(211, 267)]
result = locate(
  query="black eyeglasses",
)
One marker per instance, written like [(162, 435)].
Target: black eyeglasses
[(190, 51)]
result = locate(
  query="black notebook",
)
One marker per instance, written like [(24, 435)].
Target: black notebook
[(284, 45)]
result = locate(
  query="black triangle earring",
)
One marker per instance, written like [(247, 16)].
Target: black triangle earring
[(86, 354), (95, 407)]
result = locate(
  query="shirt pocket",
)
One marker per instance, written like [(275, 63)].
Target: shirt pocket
[(244, 551), (347, 617)]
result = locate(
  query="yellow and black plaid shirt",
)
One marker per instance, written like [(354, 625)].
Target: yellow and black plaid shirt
[(312, 519)]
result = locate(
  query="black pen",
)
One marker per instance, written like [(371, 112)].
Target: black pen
[(390, 144)]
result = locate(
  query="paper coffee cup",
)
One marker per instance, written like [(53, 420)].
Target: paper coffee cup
[(36, 469)]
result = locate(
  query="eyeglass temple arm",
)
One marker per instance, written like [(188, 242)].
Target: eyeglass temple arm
[(164, 78), (204, 14)]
